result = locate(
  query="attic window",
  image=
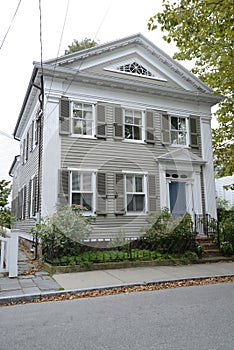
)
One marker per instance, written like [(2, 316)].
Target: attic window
[(135, 68)]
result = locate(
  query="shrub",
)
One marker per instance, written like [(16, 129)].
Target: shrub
[(226, 249), (170, 234), (63, 233)]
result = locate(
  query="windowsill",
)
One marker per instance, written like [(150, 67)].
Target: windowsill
[(83, 136), (134, 141)]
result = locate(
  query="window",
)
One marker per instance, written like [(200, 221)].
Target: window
[(135, 193), (178, 130), (182, 131), (82, 188), (82, 119), (135, 68), (133, 125)]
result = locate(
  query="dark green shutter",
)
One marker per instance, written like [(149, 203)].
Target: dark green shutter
[(150, 127), (29, 198), (64, 117), (101, 194), (152, 192), (34, 196), (119, 194), (63, 193), (27, 146), (193, 123), (101, 121), (118, 122), (166, 139), (25, 201)]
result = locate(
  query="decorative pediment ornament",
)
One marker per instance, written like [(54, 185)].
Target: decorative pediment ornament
[(133, 66)]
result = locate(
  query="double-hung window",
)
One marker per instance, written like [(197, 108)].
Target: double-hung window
[(82, 190), (179, 130), (135, 193), (133, 125), (82, 119)]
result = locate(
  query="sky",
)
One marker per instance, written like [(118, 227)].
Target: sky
[(62, 22)]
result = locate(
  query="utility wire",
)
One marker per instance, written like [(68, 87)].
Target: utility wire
[(12, 20), (59, 47), (78, 70)]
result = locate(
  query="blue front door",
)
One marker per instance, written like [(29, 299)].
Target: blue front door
[(177, 193)]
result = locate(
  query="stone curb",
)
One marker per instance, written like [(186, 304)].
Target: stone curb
[(40, 296)]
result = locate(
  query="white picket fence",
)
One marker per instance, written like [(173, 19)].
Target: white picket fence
[(9, 253)]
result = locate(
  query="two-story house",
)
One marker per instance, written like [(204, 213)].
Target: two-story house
[(121, 129)]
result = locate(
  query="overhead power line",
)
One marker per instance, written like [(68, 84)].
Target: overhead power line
[(12, 20)]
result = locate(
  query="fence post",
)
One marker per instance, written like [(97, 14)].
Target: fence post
[(13, 254)]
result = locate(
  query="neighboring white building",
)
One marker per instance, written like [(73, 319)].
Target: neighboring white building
[(125, 131), (223, 189)]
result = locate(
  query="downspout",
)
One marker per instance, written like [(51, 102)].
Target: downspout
[(40, 117)]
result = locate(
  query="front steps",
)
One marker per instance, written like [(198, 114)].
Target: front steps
[(210, 249)]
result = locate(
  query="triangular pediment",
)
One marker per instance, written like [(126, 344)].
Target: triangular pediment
[(181, 156), (134, 57)]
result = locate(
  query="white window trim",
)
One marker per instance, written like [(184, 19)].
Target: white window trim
[(94, 122), (143, 130), (93, 186), (186, 145), (145, 184)]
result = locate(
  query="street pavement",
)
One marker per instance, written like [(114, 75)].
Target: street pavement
[(33, 284)]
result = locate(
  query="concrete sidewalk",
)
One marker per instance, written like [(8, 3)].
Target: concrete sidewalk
[(32, 284), (116, 277)]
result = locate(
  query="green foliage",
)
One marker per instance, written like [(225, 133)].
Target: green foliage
[(63, 232), (226, 228), (5, 213), (226, 249), (80, 45), (170, 234), (108, 256), (203, 30)]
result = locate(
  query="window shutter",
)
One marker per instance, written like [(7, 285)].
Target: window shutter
[(27, 146), (23, 152), (101, 194), (150, 127), (119, 197), (24, 201), (152, 192), (193, 122), (63, 193), (34, 196), (64, 117), (36, 132), (31, 134), (101, 121), (118, 122), (166, 139), (29, 198)]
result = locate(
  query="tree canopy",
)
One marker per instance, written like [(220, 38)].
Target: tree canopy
[(203, 30), (80, 45), (5, 215)]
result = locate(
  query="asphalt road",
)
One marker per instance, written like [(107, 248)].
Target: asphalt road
[(191, 318)]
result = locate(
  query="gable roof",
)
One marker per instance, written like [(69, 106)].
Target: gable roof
[(138, 43)]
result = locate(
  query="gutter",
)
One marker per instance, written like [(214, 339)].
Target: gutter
[(30, 86)]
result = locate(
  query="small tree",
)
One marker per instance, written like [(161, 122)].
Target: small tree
[(80, 45), (5, 213)]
